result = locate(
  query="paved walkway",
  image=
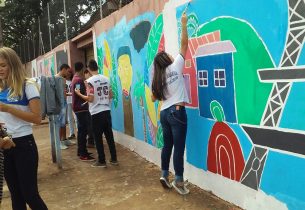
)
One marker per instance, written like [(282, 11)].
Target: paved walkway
[(134, 184)]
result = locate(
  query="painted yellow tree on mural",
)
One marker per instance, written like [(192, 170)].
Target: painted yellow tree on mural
[(107, 67)]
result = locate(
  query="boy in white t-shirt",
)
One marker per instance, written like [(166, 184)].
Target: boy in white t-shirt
[(99, 95)]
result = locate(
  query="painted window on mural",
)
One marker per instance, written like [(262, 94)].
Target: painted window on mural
[(219, 78), (188, 63), (203, 78)]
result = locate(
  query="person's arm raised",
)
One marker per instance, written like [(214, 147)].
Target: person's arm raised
[(184, 35)]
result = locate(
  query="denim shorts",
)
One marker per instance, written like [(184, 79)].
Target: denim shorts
[(61, 118)]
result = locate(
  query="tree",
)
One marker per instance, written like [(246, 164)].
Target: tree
[(21, 26), (18, 20)]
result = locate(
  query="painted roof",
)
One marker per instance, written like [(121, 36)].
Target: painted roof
[(215, 49), (208, 38)]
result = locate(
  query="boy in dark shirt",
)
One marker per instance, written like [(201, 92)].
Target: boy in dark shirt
[(80, 108)]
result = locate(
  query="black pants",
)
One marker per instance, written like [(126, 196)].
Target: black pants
[(20, 172), (1, 173), (101, 123), (90, 138), (83, 119)]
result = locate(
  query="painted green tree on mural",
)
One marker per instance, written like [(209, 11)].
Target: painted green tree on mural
[(100, 58), (138, 93), (139, 90), (217, 111), (192, 25), (49, 65), (114, 82), (154, 39)]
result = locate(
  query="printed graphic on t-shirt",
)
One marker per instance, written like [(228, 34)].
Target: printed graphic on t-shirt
[(100, 90), (171, 77)]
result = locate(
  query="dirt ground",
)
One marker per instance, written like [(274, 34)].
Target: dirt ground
[(134, 184)]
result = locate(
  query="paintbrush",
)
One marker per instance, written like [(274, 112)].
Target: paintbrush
[(187, 6)]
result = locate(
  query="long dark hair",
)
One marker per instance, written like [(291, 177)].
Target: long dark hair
[(159, 86)]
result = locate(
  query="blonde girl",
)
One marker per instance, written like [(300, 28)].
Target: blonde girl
[(19, 107)]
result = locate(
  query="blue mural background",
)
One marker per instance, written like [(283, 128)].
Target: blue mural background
[(118, 37), (282, 174)]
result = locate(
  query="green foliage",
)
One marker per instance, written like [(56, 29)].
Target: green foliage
[(192, 25), (154, 39), (18, 18), (114, 82), (217, 111), (100, 60), (138, 92), (21, 28)]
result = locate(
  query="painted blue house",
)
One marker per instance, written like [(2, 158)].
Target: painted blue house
[(214, 65)]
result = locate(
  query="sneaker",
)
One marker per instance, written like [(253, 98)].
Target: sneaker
[(69, 142), (72, 136), (165, 183), (88, 153), (86, 158), (114, 162), (63, 145), (99, 164), (186, 183), (180, 188)]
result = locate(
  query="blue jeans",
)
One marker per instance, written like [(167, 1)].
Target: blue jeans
[(61, 117), (70, 119), (174, 125)]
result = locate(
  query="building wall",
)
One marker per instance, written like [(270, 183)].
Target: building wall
[(76, 55), (89, 53), (248, 163), (48, 64), (223, 157)]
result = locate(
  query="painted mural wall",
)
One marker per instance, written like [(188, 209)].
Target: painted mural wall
[(245, 75), (48, 64)]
